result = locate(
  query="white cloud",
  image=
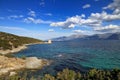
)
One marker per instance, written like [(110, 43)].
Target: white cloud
[(12, 28), (71, 26), (15, 16), (95, 21), (32, 13), (71, 22), (87, 32), (86, 6), (51, 30), (79, 31), (105, 16), (83, 15), (48, 14), (64, 25), (107, 28), (68, 23), (36, 21), (116, 11), (114, 5)]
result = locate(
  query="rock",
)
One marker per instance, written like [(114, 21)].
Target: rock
[(3, 71), (33, 63), (12, 73), (10, 64)]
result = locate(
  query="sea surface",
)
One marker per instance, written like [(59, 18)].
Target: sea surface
[(79, 56)]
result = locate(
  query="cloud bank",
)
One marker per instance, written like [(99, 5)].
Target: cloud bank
[(95, 20)]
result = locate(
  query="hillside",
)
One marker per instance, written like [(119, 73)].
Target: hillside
[(10, 41)]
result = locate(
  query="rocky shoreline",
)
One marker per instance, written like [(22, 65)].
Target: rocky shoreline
[(10, 64)]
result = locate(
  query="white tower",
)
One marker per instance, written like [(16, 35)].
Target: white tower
[(49, 41)]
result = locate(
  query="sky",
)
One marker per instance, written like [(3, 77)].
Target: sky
[(46, 19)]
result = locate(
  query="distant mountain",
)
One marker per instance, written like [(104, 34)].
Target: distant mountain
[(9, 41), (107, 36), (63, 38), (66, 38), (114, 36)]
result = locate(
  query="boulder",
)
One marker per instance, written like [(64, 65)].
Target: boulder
[(12, 73), (33, 63)]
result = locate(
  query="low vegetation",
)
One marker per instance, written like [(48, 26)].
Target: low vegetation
[(10, 41), (67, 74)]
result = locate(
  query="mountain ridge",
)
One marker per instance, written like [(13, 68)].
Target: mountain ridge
[(106, 36)]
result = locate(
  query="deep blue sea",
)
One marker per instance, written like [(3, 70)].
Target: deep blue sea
[(79, 56)]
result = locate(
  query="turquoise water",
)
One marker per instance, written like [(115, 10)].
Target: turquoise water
[(78, 56)]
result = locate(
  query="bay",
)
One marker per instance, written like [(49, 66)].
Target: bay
[(79, 55)]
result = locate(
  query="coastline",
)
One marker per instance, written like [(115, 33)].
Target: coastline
[(14, 50), (4, 52), (11, 65)]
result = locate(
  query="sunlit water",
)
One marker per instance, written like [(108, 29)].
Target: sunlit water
[(79, 56)]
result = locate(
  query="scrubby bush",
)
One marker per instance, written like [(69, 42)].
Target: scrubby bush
[(66, 74)]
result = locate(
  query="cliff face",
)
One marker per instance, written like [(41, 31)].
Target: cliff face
[(10, 41)]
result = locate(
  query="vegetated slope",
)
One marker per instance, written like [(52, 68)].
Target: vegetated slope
[(10, 41)]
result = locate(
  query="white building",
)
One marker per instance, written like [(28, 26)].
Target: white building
[(49, 41)]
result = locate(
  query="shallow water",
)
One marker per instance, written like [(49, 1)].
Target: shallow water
[(79, 56)]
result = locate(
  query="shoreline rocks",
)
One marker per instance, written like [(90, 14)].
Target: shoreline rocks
[(32, 63), (10, 64)]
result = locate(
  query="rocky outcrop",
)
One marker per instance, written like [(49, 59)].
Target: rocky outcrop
[(10, 64), (33, 62)]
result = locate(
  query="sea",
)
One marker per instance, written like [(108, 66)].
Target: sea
[(80, 56)]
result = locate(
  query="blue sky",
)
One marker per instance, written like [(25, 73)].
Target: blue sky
[(45, 19)]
